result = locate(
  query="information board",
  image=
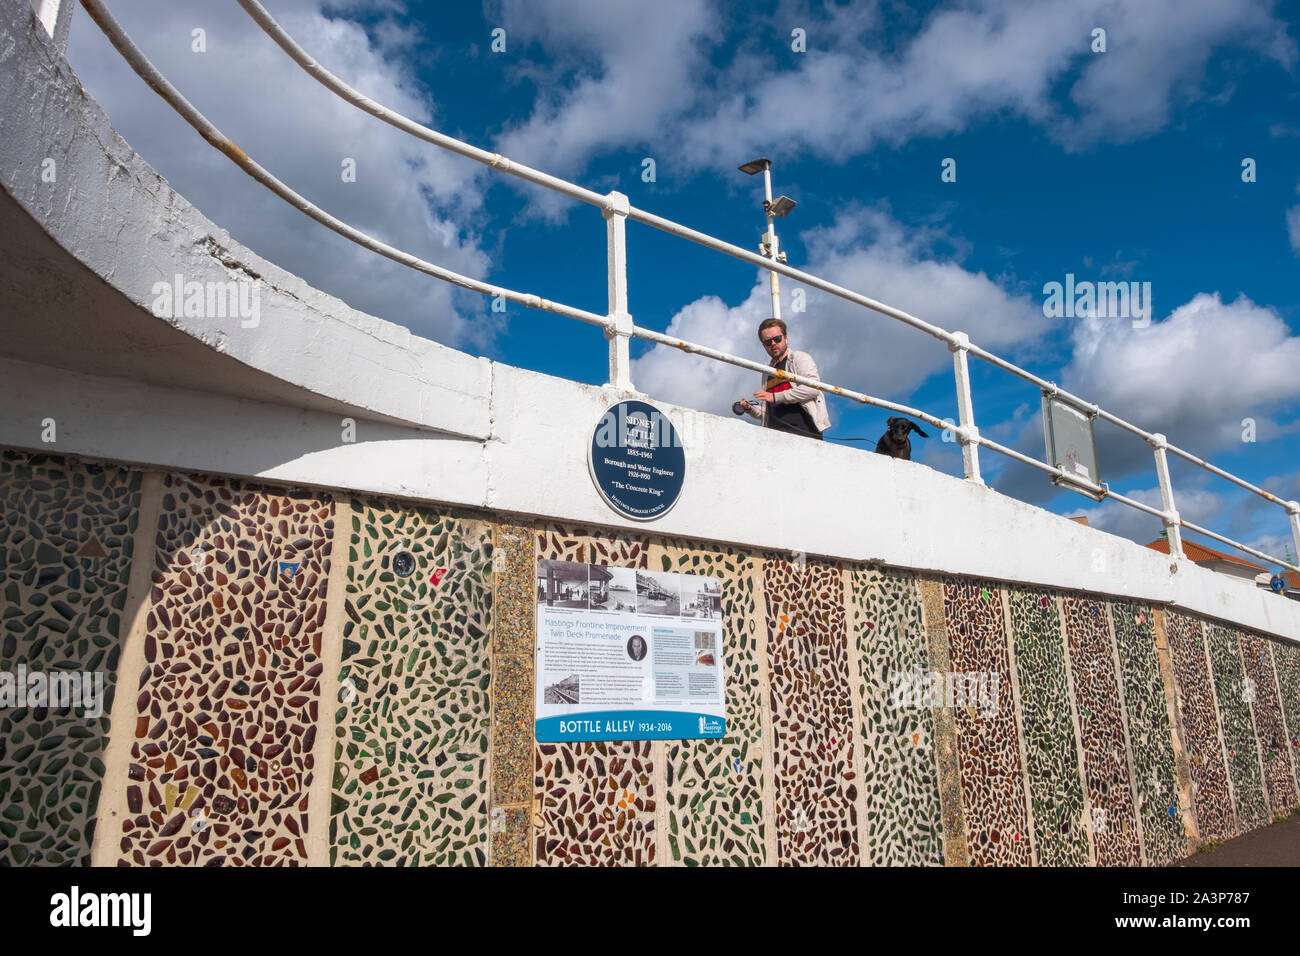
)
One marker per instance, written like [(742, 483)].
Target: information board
[(627, 654)]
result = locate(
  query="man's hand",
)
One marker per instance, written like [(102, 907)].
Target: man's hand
[(764, 396)]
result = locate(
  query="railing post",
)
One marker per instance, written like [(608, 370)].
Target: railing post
[(620, 361), (968, 433), (1293, 510), (1173, 529)]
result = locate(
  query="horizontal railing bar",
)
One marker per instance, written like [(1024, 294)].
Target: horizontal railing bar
[(404, 123), (496, 161), (1188, 456), (1237, 544), (502, 164), (209, 132)]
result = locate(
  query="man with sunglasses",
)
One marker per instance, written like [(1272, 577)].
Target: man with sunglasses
[(783, 405)]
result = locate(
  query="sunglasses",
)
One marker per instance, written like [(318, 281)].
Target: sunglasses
[(774, 340)]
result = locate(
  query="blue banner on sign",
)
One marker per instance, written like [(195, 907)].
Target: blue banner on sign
[(631, 725), (637, 460)]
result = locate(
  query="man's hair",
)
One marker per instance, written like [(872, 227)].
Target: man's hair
[(769, 324)]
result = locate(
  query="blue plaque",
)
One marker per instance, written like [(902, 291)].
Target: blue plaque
[(637, 461)]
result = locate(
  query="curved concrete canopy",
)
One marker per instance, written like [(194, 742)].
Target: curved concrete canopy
[(79, 345), (80, 278)]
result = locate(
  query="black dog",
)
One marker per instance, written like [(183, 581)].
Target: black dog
[(895, 442)]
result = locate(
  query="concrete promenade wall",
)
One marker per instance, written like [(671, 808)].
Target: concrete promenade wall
[(345, 716), (342, 715)]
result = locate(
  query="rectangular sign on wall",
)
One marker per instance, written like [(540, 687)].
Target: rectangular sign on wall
[(624, 654)]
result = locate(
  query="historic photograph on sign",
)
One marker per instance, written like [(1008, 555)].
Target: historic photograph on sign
[(625, 654), (563, 583), (701, 597), (658, 593), (612, 589)]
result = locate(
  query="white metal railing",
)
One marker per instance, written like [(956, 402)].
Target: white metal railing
[(617, 322)]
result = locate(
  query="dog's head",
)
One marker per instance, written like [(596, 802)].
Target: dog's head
[(899, 428)]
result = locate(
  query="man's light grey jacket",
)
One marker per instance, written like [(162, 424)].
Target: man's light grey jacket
[(813, 400)]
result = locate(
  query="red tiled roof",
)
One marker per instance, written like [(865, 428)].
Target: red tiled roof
[(1199, 552)]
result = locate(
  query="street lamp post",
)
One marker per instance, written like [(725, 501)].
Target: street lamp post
[(778, 208)]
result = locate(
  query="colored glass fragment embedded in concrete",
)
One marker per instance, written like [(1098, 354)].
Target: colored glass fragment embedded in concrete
[(987, 745), (65, 558), (1215, 818), (1150, 735), (411, 749), (900, 783), (1108, 786), (714, 789), (1230, 689), (816, 808), (1051, 740), (228, 705), (1270, 728)]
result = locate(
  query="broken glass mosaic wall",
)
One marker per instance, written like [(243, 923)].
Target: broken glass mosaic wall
[(902, 821), (1286, 661), (1262, 694), (228, 702), (65, 556), (1233, 695), (412, 721), (1048, 721), (714, 789), (987, 741), (815, 811), (1108, 786), (430, 751), (1164, 839), (1215, 819)]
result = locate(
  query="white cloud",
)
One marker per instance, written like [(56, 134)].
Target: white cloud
[(636, 66), (647, 78), (1193, 376), (865, 250), (406, 193)]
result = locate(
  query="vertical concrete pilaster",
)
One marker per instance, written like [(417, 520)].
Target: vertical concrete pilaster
[(1128, 736), (1016, 699), (1182, 766), (956, 852), (117, 754), (514, 626), (319, 802)]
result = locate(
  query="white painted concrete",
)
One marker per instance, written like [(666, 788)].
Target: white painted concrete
[(161, 427), (433, 424), (118, 217)]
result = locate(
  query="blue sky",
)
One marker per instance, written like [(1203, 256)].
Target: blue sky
[(1117, 165)]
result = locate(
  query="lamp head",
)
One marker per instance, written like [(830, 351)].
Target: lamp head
[(780, 206)]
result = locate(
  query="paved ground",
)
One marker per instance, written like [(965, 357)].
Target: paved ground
[(1275, 845)]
